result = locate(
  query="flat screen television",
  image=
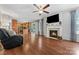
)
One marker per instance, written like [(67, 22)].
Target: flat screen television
[(53, 19)]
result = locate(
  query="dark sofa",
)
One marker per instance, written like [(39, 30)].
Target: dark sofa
[(8, 41)]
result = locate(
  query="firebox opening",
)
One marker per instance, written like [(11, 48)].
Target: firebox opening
[(53, 33)]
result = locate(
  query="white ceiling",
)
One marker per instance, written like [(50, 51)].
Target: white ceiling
[(24, 12)]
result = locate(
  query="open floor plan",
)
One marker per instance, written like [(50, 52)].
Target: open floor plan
[(39, 29)]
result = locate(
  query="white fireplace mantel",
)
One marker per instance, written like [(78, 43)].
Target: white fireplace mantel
[(55, 27)]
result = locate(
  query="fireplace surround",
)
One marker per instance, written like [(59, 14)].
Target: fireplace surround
[(54, 32)]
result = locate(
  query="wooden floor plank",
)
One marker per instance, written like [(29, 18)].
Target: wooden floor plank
[(40, 45)]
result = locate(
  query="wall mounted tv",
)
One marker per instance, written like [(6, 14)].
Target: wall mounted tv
[(53, 19)]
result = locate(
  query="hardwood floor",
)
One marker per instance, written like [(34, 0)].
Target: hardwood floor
[(39, 45)]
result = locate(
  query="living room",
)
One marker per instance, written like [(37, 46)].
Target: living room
[(65, 25), (36, 28)]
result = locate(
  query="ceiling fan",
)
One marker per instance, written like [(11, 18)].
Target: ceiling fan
[(41, 8)]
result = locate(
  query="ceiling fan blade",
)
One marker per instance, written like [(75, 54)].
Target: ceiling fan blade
[(46, 6), (35, 11), (36, 6), (46, 11)]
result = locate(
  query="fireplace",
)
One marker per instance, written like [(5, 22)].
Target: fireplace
[(53, 33)]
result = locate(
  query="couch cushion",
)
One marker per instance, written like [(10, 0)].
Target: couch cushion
[(11, 32)]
